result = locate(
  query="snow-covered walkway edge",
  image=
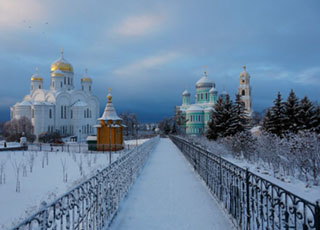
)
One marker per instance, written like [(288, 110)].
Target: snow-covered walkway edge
[(169, 195)]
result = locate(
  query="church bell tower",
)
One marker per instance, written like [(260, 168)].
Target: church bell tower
[(244, 90)]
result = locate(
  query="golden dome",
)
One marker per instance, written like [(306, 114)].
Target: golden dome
[(86, 78), (36, 76), (61, 64), (36, 79)]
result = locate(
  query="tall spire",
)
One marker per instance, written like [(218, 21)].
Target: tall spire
[(205, 70), (109, 95)]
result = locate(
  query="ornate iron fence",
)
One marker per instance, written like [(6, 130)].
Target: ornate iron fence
[(77, 147), (93, 204), (252, 201)]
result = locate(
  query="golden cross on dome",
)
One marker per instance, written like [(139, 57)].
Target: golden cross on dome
[(61, 51), (86, 71), (109, 96), (244, 67), (37, 69), (205, 69)]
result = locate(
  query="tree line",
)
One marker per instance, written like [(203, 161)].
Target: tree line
[(292, 116), (227, 118)]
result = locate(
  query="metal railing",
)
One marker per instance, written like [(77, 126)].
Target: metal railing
[(252, 201), (78, 147), (93, 204)]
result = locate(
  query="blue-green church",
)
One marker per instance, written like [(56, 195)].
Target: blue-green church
[(197, 115)]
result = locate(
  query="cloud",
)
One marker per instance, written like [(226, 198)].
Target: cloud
[(15, 14), (138, 25), (146, 63), (309, 76)]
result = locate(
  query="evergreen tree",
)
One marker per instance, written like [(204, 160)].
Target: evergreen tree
[(276, 119), (316, 125), (291, 112), (266, 120), (219, 126), (307, 115), (239, 118), (212, 133)]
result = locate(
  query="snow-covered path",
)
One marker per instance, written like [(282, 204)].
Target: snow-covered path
[(169, 195)]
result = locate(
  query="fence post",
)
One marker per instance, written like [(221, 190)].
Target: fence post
[(317, 216), (207, 170), (248, 199), (44, 219), (220, 177)]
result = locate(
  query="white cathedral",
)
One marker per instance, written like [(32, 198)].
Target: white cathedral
[(62, 108)]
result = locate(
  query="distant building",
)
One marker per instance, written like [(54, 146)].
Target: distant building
[(110, 129), (245, 90), (62, 108), (197, 116)]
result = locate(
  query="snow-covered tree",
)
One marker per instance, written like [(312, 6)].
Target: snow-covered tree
[(291, 112), (316, 125), (220, 124), (243, 145), (239, 118), (307, 115), (275, 118)]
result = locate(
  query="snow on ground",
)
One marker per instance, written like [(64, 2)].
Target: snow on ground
[(43, 184), (291, 184), (169, 195)]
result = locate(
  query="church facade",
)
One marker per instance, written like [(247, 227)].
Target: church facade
[(61, 108), (197, 116)]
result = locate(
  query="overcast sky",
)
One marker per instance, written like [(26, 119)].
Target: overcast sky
[(149, 51)]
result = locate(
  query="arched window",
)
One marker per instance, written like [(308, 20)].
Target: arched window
[(65, 80), (61, 84), (243, 93), (50, 113), (85, 115), (89, 88), (39, 86)]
